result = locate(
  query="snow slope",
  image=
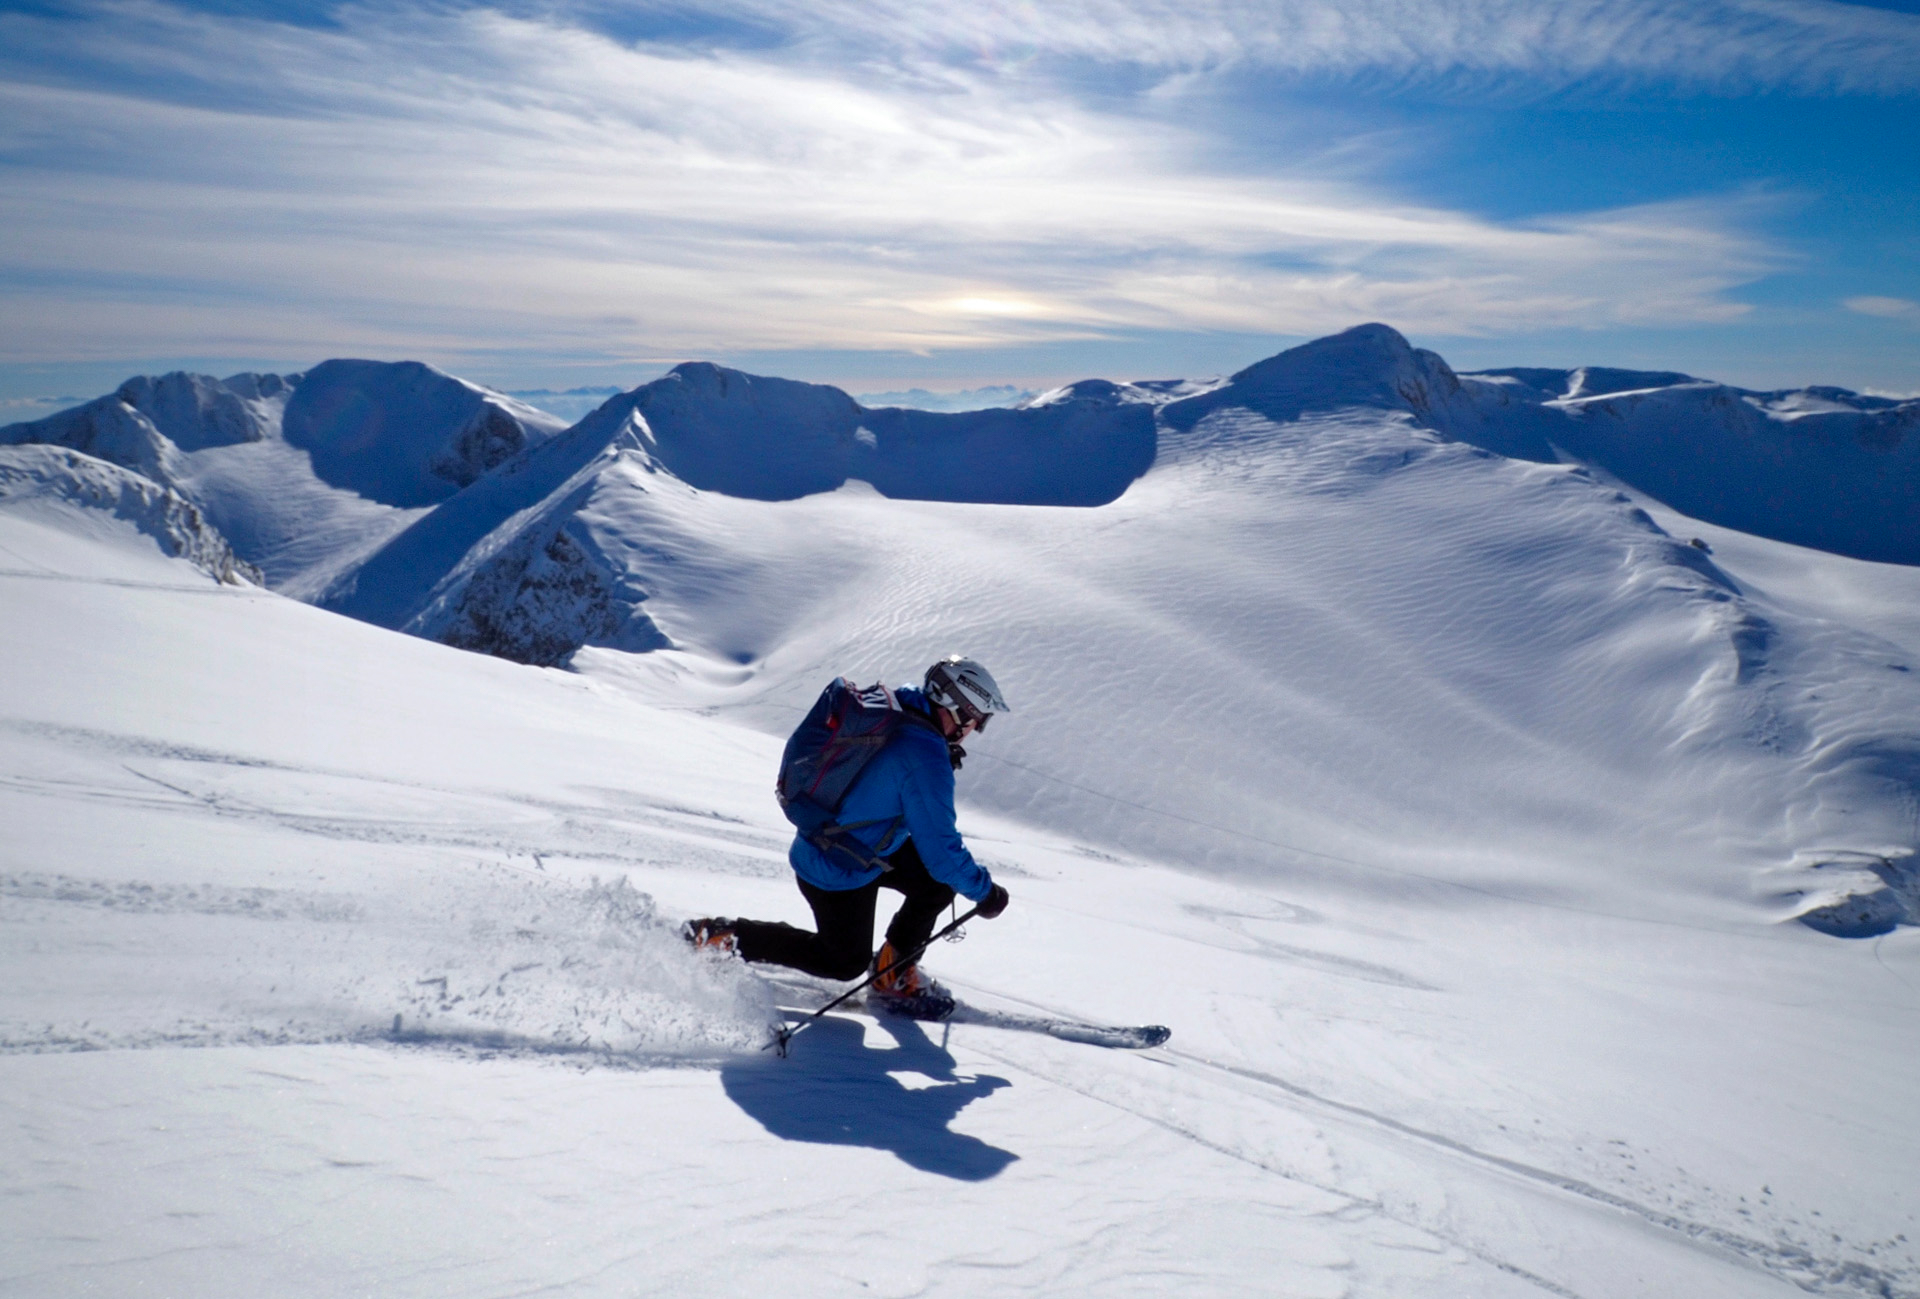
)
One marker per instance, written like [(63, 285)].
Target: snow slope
[(244, 834), (1399, 648)]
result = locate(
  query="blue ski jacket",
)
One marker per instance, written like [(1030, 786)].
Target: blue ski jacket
[(907, 790)]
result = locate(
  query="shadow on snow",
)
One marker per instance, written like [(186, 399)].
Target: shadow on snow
[(835, 1090)]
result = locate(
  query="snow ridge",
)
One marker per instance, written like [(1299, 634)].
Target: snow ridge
[(1820, 467), (771, 439), (148, 422), (1370, 366), (512, 566), (62, 475)]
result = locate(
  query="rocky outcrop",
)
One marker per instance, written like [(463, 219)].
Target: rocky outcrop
[(75, 478)]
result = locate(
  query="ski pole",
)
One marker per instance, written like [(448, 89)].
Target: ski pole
[(785, 1033)]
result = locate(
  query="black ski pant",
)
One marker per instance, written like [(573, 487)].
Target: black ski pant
[(843, 946)]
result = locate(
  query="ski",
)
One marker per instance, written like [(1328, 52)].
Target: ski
[(1118, 1037), (1138, 1037)]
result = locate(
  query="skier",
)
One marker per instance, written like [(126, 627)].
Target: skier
[(899, 814)]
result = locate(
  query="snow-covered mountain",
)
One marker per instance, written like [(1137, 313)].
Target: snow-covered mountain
[(310, 475), (1322, 532), (405, 434), (1456, 811), (1819, 467), (150, 424), (515, 565), (302, 474)]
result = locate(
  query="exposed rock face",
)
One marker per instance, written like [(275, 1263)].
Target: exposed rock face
[(490, 438), (75, 478), (542, 597)]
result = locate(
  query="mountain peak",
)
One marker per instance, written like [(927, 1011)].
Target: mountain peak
[(196, 411), (1368, 365), (404, 433)]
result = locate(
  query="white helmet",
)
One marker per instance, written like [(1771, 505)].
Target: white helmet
[(967, 688)]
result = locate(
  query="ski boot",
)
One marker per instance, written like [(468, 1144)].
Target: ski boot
[(906, 990), (711, 935)]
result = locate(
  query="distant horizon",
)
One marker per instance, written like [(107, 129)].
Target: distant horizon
[(18, 406)]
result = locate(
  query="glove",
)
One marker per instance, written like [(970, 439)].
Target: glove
[(994, 903)]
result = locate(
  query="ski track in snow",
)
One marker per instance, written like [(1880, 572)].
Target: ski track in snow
[(1796, 1263), (462, 954), (489, 961), (621, 828), (433, 995)]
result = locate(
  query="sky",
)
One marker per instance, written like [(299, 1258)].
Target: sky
[(556, 193)]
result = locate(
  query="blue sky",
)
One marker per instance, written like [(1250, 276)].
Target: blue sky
[(882, 193)]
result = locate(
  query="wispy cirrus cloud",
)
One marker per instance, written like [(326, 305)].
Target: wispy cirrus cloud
[(447, 180), (1815, 46)]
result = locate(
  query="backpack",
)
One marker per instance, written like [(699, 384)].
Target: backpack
[(842, 732)]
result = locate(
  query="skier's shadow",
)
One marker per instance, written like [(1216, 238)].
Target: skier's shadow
[(835, 1090)]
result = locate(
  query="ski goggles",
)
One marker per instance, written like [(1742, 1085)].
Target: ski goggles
[(969, 714)]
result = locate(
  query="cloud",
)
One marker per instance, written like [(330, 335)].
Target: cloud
[(19, 410), (1729, 45), (1889, 308), (445, 182)]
